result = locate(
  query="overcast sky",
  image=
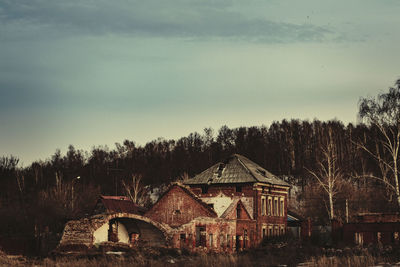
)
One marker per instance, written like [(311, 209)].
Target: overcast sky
[(96, 72)]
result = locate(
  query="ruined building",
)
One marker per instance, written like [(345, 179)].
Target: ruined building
[(228, 207)]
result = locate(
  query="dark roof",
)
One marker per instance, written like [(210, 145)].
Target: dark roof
[(235, 169), (120, 204)]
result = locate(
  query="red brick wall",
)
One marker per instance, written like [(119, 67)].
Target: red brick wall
[(177, 207), (248, 190), (269, 219), (219, 228)]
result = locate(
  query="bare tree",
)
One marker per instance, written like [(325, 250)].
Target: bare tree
[(383, 113), (328, 175), (134, 189)]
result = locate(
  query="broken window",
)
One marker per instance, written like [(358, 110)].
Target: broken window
[(182, 237), (177, 212), (200, 236)]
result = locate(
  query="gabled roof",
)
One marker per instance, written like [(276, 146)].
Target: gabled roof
[(190, 193), (232, 208), (235, 169), (120, 204)]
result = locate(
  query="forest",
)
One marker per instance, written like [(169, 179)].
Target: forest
[(328, 164)]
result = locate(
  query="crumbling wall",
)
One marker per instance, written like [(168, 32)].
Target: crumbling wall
[(219, 235), (80, 232), (95, 230)]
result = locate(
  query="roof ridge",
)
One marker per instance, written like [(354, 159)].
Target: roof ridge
[(244, 165)]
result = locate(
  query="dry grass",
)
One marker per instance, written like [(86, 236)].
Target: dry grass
[(195, 261), (345, 261), (142, 259)]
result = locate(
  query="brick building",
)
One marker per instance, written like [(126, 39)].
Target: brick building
[(372, 228), (230, 206)]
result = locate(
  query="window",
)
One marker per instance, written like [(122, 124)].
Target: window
[(270, 233), (200, 236), (358, 238), (204, 189), (282, 230), (238, 212), (210, 238), (182, 237), (269, 210), (263, 205), (264, 231), (228, 241), (238, 188), (281, 206), (245, 238), (221, 241), (177, 212), (211, 205), (395, 237), (275, 206), (276, 230)]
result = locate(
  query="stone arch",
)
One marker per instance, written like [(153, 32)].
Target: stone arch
[(94, 230), (150, 233)]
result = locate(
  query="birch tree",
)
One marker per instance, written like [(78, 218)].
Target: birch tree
[(383, 112), (328, 175), (134, 189)]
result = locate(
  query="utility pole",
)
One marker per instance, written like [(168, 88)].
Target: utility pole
[(115, 177)]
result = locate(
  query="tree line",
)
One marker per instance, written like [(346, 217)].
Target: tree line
[(40, 198)]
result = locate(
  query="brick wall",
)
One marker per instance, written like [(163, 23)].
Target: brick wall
[(177, 207)]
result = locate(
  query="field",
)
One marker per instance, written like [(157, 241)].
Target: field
[(276, 255)]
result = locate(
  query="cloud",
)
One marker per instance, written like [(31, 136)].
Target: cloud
[(153, 18)]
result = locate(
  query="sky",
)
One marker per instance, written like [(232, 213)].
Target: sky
[(97, 72)]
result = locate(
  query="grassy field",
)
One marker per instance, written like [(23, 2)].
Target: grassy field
[(277, 255)]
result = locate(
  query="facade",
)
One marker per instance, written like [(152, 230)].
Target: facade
[(241, 202), (229, 207)]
